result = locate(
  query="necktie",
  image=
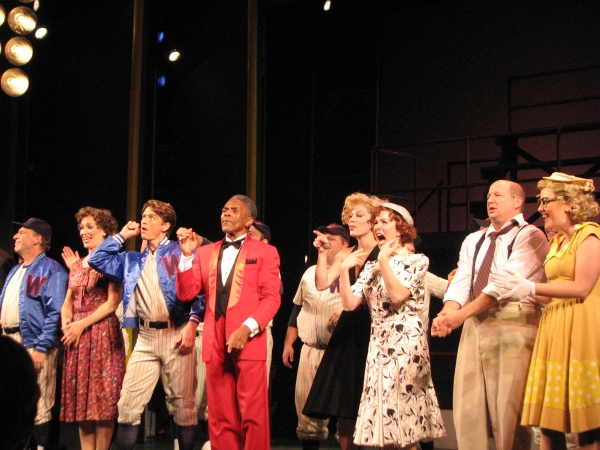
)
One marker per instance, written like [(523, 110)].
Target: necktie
[(236, 244), (484, 270)]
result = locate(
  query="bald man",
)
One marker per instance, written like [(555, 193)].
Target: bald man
[(498, 337)]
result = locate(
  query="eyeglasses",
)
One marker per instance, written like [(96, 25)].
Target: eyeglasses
[(543, 202)]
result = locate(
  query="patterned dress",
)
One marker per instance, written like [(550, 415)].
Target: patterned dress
[(563, 385), (398, 404), (93, 369)]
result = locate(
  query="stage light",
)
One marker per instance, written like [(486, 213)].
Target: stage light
[(41, 32), (22, 20), (36, 5), (327, 5), (2, 15), (14, 82), (160, 37), (161, 81), (18, 51), (174, 55)]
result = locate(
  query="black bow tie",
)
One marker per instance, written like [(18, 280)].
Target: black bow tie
[(236, 244)]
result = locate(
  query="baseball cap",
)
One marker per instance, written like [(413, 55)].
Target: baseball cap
[(40, 226), (264, 229), (400, 210), (335, 229)]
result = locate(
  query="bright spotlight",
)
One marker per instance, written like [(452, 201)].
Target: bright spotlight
[(161, 36), (327, 5), (174, 55), (14, 82), (18, 51), (2, 15), (161, 81), (22, 20), (41, 32)]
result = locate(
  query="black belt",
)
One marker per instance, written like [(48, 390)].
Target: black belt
[(156, 325), (11, 330), (318, 346)]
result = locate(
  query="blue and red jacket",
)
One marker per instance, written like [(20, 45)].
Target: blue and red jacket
[(41, 295), (126, 267)]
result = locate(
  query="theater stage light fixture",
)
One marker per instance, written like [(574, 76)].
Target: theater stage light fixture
[(14, 82), (22, 20), (18, 51)]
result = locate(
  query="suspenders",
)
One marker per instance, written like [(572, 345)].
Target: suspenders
[(478, 247)]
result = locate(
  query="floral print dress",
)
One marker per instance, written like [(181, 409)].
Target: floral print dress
[(398, 404), (94, 368)]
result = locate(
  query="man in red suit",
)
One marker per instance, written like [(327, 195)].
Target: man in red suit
[(240, 278)]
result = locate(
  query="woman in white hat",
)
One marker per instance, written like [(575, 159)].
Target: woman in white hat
[(398, 407)]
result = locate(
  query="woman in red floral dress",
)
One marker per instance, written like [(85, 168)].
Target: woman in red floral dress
[(94, 362)]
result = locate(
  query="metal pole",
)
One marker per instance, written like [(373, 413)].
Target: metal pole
[(252, 103), (133, 164)]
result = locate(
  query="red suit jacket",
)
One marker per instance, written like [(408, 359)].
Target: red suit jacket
[(254, 292)]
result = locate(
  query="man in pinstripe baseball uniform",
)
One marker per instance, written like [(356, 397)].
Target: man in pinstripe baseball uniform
[(313, 318), (166, 334)]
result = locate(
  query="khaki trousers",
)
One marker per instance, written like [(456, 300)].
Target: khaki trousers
[(491, 373)]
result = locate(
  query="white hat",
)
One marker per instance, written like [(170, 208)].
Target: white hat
[(400, 210)]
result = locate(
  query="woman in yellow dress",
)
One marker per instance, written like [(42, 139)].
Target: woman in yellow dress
[(563, 385)]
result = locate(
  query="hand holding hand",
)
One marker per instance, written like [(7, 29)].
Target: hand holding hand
[(454, 319), (321, 243), (130, 229), (69, 257), (438, 327), (512, 284)]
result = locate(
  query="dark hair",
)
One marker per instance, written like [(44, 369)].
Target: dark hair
[(103, 218), (163, 210), (19, 394)]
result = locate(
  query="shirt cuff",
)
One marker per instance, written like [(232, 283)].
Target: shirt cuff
[(253, 325), (185, 262)]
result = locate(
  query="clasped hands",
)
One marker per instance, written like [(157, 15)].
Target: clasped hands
[(446, 321), (510, 284), (72, 331)]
